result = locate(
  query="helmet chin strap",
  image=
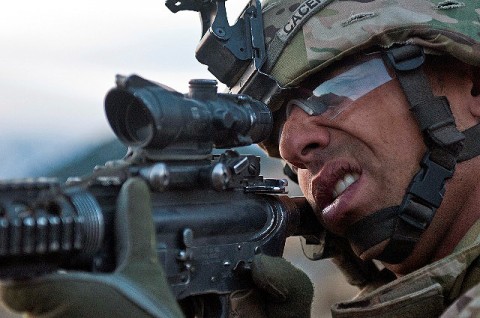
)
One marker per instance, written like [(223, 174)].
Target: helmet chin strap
[(403, 225)]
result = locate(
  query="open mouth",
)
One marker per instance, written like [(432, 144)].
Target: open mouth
[(332, 196), (335, 178), (342, 184)]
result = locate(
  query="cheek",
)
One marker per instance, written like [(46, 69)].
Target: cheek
[(385, 102), (383, 121)]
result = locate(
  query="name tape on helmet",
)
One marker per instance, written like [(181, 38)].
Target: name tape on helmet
[(300, 16)]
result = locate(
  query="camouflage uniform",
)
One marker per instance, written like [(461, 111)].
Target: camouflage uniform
[(453, 281), (468, 303), (303, 38)]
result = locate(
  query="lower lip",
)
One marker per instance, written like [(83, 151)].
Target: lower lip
[(336, 216)]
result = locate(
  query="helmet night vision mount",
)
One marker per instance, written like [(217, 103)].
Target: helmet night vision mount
[(228, 51)]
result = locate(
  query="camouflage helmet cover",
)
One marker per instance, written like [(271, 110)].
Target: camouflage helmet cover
[(312, 34)]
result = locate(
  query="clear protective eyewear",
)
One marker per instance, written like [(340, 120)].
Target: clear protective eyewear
[(334, 95)]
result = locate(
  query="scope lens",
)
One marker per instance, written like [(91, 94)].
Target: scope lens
[(138, 122)]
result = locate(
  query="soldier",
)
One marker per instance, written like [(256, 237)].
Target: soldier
[(378, 119), (385, 110)]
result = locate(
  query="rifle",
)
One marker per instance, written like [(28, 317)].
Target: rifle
[(212, 213)]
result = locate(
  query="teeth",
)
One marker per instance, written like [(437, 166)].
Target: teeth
[(344, 183)]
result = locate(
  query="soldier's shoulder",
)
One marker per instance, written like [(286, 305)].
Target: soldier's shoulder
[(467, 305)]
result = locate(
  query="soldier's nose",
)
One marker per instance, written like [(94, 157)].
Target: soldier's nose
[(302, 137)]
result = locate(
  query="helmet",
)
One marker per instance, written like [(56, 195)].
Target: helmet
[(304, 37)]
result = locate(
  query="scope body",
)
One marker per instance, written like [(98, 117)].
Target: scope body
[(168, 124)]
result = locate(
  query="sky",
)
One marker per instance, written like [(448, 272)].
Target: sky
[(59, 58)]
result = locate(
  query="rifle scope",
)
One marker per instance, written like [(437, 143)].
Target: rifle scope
[(147, 115)]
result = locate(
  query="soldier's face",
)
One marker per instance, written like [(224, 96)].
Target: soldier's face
[(357, 162)]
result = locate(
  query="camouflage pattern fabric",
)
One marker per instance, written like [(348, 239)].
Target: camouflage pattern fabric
[(467, 305), (427, 291), (303, 37), (341, 28)]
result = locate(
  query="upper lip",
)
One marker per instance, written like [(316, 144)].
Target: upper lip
[(324, 182)]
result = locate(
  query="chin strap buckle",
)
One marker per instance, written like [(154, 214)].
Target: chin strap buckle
[(425, 193)]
